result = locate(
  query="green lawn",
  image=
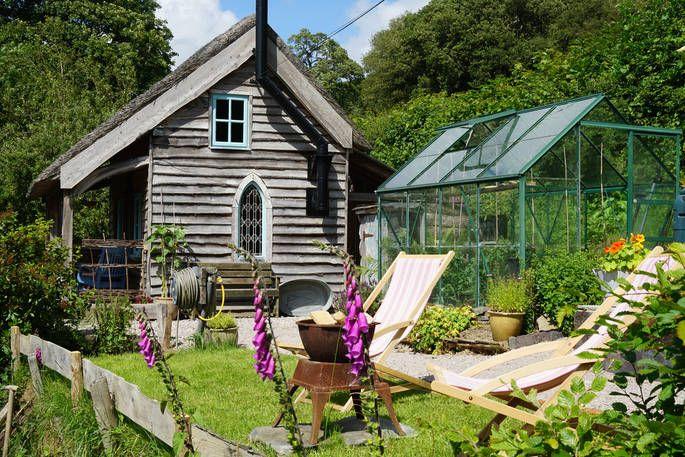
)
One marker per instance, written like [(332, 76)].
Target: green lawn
[(226, 396)]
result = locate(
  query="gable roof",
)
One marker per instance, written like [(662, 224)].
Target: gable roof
[(47, 178)]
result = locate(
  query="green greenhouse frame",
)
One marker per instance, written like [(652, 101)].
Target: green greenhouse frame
[(503, 188)]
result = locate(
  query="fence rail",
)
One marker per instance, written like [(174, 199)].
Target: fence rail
[(127, 397)]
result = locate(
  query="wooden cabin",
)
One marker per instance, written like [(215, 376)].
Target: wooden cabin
[(230, 155)]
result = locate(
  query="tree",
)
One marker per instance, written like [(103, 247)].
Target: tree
[(401, 132), (329, 63), (66, 67), (453, 45)]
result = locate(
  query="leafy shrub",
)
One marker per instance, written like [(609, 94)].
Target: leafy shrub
[(561, 283), (37, 287), (508, 295), (113, 322), (222, 321), (438, 323)]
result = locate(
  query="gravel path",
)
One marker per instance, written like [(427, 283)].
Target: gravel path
[(403, 359)]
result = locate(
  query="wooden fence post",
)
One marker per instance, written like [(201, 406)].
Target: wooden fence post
[(8, 424), (36, 380), (76, 377), (15, 344), (104, 411), (170, 311)]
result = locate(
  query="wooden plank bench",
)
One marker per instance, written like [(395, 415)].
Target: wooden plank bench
[(237, 280)]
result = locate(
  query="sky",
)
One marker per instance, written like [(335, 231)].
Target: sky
[(195, 22)]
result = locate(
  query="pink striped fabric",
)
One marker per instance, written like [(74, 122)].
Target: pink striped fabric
[(410, 281), (594, 341)]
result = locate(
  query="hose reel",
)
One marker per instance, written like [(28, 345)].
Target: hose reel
[(185, 288)]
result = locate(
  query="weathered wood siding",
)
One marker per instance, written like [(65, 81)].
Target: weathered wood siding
[(194, 185)]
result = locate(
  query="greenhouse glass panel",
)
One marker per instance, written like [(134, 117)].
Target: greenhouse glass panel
[(454, 155), (435, 149), (653, 188), (536, 140), (485, 154)]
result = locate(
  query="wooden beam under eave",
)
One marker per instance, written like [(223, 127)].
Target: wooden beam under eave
[(68, 223)]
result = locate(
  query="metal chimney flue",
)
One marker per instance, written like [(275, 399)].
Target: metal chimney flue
[(317, 202)]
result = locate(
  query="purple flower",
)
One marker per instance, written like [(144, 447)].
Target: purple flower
[(266, 365), (39, 356), (356, 325), (145, 344)]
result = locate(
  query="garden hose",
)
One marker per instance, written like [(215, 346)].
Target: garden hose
[(220, 281), (185, 289)]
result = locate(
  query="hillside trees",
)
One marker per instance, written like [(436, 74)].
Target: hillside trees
[(329, 63), (454, 45), (632, 59), (67, 66)]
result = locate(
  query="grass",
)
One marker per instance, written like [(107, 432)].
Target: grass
[(54, 428), (226, 396)]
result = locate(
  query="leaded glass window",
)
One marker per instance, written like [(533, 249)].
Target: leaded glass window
[(251, 221)]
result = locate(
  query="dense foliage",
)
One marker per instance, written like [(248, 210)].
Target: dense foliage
[(453, 45), (37, 286), (329, 63), (561, 283), (632, 58), (113, 326), (438, 323), (655, 425), (66, 67)]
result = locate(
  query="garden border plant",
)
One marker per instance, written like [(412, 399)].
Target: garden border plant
[(269, 366)]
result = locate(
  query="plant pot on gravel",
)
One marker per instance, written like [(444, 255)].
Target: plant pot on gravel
[(222, 330), (508, 300)]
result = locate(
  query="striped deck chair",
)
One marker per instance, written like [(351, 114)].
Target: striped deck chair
[(410, 280), (555, 372)]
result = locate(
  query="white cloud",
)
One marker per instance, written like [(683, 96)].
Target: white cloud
[(194, 23), (359, 42)]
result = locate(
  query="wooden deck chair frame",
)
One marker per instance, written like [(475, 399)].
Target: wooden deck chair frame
[(561, 357), (407, 382)]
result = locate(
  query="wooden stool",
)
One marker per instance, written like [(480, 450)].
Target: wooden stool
[(321, 379)]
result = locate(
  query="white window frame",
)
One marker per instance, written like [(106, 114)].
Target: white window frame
[(245, 144)]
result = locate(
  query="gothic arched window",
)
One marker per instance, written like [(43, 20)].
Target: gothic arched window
[(251, 221)]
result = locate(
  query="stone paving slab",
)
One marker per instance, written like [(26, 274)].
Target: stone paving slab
[(352, 430)]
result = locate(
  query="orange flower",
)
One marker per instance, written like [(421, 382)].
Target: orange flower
[(607, 249)]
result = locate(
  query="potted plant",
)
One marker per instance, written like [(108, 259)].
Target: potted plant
[(620, 258), (164, 243), (223, 329), (508, 300)]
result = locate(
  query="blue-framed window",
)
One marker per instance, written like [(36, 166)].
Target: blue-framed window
[(230, 117)]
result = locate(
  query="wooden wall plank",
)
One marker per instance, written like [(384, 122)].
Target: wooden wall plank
[(194, 185)]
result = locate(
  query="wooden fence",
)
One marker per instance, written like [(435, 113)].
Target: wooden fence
[(126, 397)]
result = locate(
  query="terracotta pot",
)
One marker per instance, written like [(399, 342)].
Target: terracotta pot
[(224, 335), (324, 343), (504, 325)]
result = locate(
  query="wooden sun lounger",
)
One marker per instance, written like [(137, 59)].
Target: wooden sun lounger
[(556, 372)]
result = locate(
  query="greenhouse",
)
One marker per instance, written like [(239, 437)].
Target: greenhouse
[(503, 188)]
